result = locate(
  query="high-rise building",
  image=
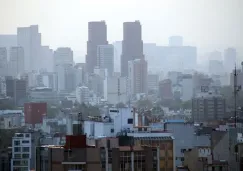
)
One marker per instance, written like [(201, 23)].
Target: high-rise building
[(115, 90), (176, 41), (165, 89), (117, 55), (105, 58), (47, 62), (63, 55), (66, 77), (97, 35), (34, 113), (82, 95), (8, 40), (16, 61), (208, 107), (3, 61), (138, 76), (16, 89), (132, 45), (30, 39), (21, 152), (229, 59)]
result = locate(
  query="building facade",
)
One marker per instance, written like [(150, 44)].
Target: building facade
[(21, 152), (105, 58), (97, 35), (208, 107), (3, 61), (16, 61), (132, 45), (138, 76)]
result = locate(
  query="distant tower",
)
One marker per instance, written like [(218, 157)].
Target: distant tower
[(132, 45), (97, 35)]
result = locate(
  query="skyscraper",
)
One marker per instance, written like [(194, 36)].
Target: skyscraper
[(16, 61), (105, 58), (138, 76), (176, 41), (30, 39), (3, 61), (97, 35), (132, 45), (229, 59)]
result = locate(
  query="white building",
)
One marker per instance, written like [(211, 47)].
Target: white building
[(138, 76), (82, 94), (187, 87), (11, 119), (105, 58), (122, 118), (3, 61), (21, 152), (115, 90), (30, 39), (16, 61), (96, 129), (62, 56)]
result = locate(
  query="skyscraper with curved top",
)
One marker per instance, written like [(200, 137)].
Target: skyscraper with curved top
[(97, 35), (132, 45)]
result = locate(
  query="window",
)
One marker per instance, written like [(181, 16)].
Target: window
[(114, 111), (25, 156), (25, 141), (16, 163), (27, 135), (17, 156), (17, 149), (16, 143), (112, 130), (130, 121), (25, 149)]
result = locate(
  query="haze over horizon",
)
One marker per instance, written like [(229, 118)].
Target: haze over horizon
[(207, 24)]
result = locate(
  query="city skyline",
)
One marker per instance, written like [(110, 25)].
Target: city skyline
[(64, 24)]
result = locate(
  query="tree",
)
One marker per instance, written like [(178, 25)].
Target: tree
[(52, 111), (144, 104)]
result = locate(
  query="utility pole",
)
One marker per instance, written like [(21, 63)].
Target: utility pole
[(237, 88)]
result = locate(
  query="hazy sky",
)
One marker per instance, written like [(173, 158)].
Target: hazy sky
[(205, 23)]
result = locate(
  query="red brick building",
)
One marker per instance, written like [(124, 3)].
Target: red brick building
[(33, 112)]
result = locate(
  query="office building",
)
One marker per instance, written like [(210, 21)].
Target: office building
[(3, 61), (138, 76), (132, 45), (47, 79), (63, 55), (16, 61), (2, 86), (208, 107), (16, 89), (21, 152), (97, 35), (187, 87), (115, 90), (117, 55), (176, 41), (153, 82), (229, 59), (43, 94), (47, 56), (29, 38), (8, 40), (66, 77), (216, 67), (34, 113), (82, 95), (105, 58), (165, 89)]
